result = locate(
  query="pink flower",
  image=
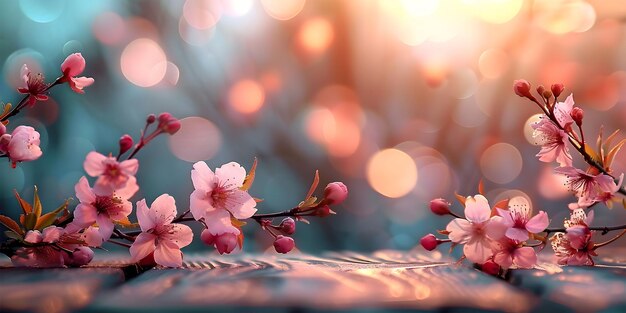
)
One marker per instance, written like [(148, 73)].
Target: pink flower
[(575, 247), (73, 66), (217, 196), (100, 209), (589, 188), (112, 175), (21, 145), (553, 142), (509, 252), (563, 111), (478, 229), (519, 220), (41, 256), (34, 87), (335, 193), (159, 234)]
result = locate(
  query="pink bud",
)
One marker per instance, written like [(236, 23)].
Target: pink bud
[(288, 226), (73, 65), (284, 244), (207, 237), (126, 142), (557, 89), (81, 256), (150, 119), (541, 89), (490, 267), (226, 243), (3, 129), (440, 206), (323, 211), (168, 123), (577, 115), (335, 193), (522, 88), (429, 242)]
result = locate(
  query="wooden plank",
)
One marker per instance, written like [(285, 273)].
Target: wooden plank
[(338, 281)]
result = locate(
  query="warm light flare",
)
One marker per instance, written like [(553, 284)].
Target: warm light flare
[(392, 173), (246, 96)]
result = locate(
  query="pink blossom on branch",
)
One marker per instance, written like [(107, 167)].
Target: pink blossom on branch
[(477, 230), (553, 142), (519, 220), (589, 188), (158, 234), (563, 112), (112, 174), (34, 87), (73, 66), (21, 145), (509, 252), (575, 247)]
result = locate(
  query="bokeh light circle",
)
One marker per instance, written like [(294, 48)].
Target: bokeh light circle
[(202, 14), (72, 46), (246, 96), (198, 139), (143, 62), (283, 9), (492, 63), (501, 163), (392, 173), (497, 12), (316, 35), (109, 28), (42, 11), (529, 131)]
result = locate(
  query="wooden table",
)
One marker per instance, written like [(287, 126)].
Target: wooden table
[(380, 281)]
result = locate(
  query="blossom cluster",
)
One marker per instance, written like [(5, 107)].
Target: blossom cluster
[(220, 201), (509, 235)]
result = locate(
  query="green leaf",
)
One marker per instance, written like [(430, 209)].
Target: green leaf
[(11, 224), (48, 218)]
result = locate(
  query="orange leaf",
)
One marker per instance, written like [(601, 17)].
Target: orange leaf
[(316, 181), (11, 224), (26, 207), (502, 204), (613, 153), (247, 182), (460, 198), (481, 187)]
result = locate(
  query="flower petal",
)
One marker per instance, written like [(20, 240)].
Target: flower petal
[(231, 175), (503, 259), (518, 234), (105, 226), (144, 245), (130, 167), (85, 215), (460, 230), (94, 165), (199, 204), (525, 257), (538, 222), (163, 210), (495, 228), (129, 190), (202, 177), (477, 251), (179, 234), (168, 254), (145, 221), (84, 192), (218, 222), (477, 209), (240, 204)]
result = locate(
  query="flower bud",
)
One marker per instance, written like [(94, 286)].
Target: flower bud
[(429, 242), (73, 65), (577, 115), (440, 206), (226, 243), (547, 94), (165, 117), (126, 142), (207, 238), (323, 211), (557, 89), (288, 226), (284, 244), (150, 119), (81, 256), (490, 267), (522, 88), (168, 123), (335, 193)]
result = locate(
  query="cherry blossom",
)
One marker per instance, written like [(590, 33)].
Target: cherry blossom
[(589, 188), (553, 142), (509, 252), (73, 66), (41, 256), (562, 112), (575, 247), (158, 234), (112, 175), (519, 220), (21, 145), (35, 87), (218, 195), (477, 230), (101, 209)]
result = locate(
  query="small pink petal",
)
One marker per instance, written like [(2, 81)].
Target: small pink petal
[(538, 222), (477, 209), (73, 65), (129, 190), (84, 192), (85, 215), (105, 226), (199, 204), (163, 210), (144, 245), (92, 237), (517, 234), (33, 236), (52, 234), (231, 175), (168, 254), (240, 204), (93, 164), (503, 259), (477, 251), (507, 219), (495, 228), (130, 167), (460, 230), (82, 82), (202, 177), (525, 257), (145, 221), (179, 234), (218, 222)]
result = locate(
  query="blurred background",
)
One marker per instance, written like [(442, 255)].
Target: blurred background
[(403, 100)]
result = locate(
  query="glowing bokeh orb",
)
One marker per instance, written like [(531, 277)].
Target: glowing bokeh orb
[(496, 11), (172, 74), (529, 131), (14, 62), (236, 7), (42, 11), (283, 9), (392, 173), (109, 28), (202, 14), (198, 139), (492, 63), (316, 35), (143, 62), (551, 185), (564, 16), (343, 139), (246, 96), (501, 163)]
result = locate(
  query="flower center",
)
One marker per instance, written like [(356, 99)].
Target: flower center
[(219, 196)]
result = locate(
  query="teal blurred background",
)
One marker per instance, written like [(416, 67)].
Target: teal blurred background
[(306, 85)]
